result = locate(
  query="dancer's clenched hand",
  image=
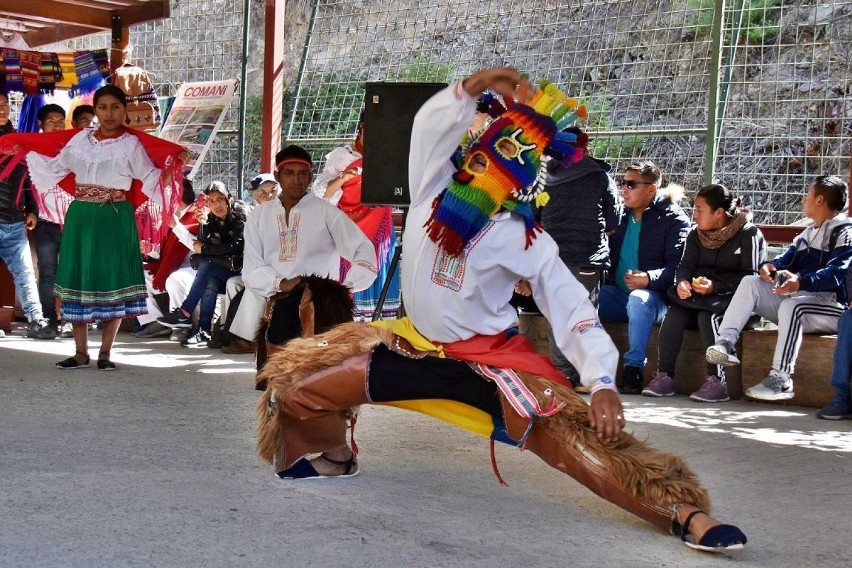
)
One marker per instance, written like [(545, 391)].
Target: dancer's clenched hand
[(606, 414), (506, 81)]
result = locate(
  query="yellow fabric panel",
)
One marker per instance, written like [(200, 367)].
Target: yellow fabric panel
[(404, 328), (458, 414)]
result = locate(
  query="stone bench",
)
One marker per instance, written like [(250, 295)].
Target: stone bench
[(755, 349)]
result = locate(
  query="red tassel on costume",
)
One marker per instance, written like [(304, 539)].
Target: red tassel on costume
[(494, 466)]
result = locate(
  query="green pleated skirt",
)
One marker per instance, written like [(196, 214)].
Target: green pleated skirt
[(99, 276)]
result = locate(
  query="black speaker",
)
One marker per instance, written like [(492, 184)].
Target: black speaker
[(389, 110)]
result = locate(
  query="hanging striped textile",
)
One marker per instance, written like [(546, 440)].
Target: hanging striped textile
[(89, 76), (46, 75), (69, 72), (14, 79), (101, 58), (30, 61), (57, 70)]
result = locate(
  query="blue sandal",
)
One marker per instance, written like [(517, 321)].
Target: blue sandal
[(721, 538), (304, 469)]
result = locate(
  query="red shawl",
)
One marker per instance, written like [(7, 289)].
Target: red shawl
[(152, 220), (172, 251)]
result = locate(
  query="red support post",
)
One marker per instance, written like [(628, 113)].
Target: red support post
[(273, 84)]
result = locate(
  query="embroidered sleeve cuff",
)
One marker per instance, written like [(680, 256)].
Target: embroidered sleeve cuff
[(603, 383), (276, 284)]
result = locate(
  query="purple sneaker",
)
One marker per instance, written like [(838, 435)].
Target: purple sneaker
[(713, 390), (661, 385)]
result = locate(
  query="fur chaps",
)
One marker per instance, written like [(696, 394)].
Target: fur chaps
[(301, 358), (633, 467)]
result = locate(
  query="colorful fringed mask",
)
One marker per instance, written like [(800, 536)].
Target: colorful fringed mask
[(511, 149)]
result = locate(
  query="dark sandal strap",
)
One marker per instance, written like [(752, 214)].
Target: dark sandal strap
[(338, 462), (347, 465), (682, 529), (685, 525)]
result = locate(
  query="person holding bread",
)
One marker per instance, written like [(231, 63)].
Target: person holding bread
[(722, 249)]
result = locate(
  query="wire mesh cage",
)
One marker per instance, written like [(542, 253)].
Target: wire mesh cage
[(787, 115), (648, 70), (645, 68)]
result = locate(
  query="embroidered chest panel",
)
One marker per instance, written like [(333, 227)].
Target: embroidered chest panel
[(449, 271), (288, 236)]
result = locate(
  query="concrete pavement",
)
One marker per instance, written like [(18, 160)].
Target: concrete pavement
[(154, 465)]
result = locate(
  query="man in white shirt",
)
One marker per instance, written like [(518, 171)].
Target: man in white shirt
[(241, 323), (460, 343), (299, 234)]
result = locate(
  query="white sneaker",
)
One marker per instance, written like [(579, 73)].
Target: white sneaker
[(776, 386), (722, 353)]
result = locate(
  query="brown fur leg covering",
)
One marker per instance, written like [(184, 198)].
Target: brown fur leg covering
[(300, 360), (629, 473)]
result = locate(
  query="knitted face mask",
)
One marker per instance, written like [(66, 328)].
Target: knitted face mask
[(510, 153), (511, 150)]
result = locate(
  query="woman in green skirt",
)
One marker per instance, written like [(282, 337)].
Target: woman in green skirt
[(99, 276)]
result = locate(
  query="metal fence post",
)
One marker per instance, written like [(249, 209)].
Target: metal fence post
[(713, 114)]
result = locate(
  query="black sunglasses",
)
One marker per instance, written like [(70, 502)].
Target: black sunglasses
[(632, 183)]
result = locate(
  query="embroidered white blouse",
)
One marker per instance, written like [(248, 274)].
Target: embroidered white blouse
[(451, 299), (311, 241), (114, 163)]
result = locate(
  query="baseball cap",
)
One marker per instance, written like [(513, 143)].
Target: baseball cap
[(260, 179)]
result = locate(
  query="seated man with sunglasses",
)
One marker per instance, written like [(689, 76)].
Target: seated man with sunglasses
[(645, 250)]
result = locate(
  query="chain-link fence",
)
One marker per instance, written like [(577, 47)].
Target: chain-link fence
[(646, 68)]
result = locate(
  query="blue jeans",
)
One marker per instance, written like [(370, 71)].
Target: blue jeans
[(15, 252), (46, 237), (209, 282), (843, 356), (641, 309)]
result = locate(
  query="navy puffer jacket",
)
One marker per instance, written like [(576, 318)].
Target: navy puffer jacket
[(664, 229)]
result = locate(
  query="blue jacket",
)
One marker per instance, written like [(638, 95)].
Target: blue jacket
[(821, 257), (664, 229)]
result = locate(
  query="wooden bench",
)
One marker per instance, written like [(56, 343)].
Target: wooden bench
[(755, 349)]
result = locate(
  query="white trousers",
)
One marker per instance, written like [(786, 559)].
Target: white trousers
[(248, 316), (798, 313)]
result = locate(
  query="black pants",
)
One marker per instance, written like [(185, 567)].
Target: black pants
[(394, 377), (677, 320)]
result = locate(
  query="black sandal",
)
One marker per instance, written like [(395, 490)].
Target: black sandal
[(72, 363), (721, 538), (105, 364), (303, 469)]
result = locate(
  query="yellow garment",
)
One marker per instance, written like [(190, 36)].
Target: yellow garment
[(405, 329), (69, 71), (458, 414)]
